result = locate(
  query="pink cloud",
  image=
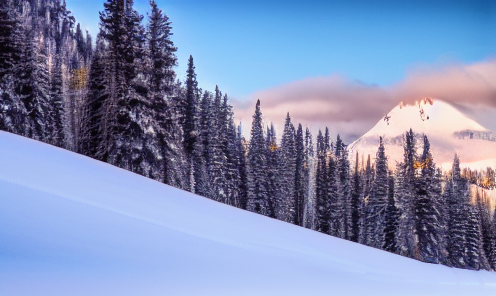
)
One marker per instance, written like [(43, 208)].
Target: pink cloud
[(352, 108)]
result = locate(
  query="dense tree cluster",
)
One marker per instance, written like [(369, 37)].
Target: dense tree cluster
[(119, 101)]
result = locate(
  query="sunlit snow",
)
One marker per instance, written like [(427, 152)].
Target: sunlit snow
[(70, 225)]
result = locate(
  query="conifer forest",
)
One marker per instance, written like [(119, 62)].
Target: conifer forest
[(115, 97)]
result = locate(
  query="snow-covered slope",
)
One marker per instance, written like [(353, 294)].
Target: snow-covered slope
[(449, 132), (70, 225)]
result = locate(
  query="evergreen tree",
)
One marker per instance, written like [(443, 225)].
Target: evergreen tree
[(10, 35), (257, 194), (33, 81), (391, 218), (189, 113), (98, 110), (428, 227), (457, 196), (367, 177), (407, 237), (241, 164), (13, 114), (273, 178), (169, 160), (488, 230), (344, 189), (285, 204), (310, 179), (378, 202), (232, 171), (214, 149), (356, 192), (476, 257), (301, 178), (321, 196), (56, 105), (334, 206)]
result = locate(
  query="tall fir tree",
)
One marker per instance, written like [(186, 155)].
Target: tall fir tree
[(285, 204), (189, 112), (428, 194), (321, 195), (241, 164), (56, 105), (310, 179), (214, 149), (344, 189), (301, 176), (273, 178), (356, 192), (457, 196), (378, 202), (170, 164), (391, 218), (407, 237), (257, 194), (487, 228), (97, 110)]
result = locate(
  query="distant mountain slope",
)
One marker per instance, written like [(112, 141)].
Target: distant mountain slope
[(70, 225), (449, 132)]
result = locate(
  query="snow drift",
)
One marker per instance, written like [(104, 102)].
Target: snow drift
[(70, 225)]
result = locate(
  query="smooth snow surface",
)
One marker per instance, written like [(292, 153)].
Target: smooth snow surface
[(70, 225), (439, 121)]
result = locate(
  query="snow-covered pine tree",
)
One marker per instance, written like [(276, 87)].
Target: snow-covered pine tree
[(214, 150), (457, 197), (391, 218), (257, 194), (232, 170), (201, 153), (344, 188), (476, 257), (334, 203), (378, 202), (33, 79), (169, 161), (273, 178), (367, 177), (442, 215), (309, 170), (407, 237), (301, 178), (285, 204), (56, 105), (189, 115), (488, 232), (97, 116), (321, 196), (241, 165), (356, 192), (429, 228), (13, 114), (129, 146), (10, 35)]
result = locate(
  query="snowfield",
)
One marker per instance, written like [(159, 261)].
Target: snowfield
[(70, 225)]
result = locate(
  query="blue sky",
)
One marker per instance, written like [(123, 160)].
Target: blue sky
[(246, 46)]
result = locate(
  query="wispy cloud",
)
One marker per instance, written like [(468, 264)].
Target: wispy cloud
[(351, 108)]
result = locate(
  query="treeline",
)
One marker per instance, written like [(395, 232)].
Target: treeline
[(120, 102)]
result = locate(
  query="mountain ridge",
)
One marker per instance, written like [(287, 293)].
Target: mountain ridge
[(448, 129)]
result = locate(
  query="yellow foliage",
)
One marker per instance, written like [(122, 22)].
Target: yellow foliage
[(79, 79)]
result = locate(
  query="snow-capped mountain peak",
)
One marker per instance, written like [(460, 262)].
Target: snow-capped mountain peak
[(448, 129)]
